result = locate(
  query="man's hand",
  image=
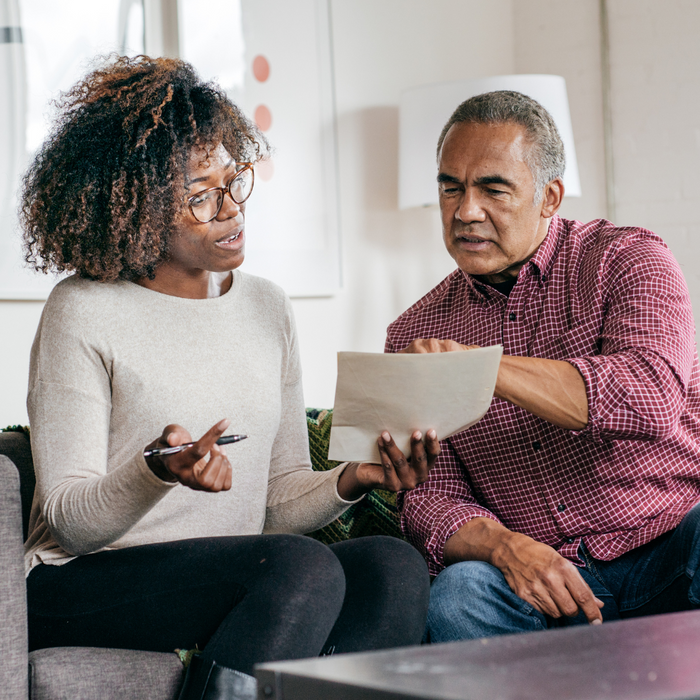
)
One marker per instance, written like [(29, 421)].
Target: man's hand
[(423, 345), (534, 571), (541, 576), (396, 472), (190, 467)]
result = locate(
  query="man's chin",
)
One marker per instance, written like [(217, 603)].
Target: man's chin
[(473, 265)]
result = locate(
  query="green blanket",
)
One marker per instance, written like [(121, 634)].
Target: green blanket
[(375, 514)]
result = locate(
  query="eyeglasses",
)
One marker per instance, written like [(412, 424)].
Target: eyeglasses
[(206, 205)]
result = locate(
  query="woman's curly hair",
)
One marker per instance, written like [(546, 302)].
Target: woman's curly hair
[(102, 193)]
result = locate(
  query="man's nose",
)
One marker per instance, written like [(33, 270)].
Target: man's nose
[(470, 208)]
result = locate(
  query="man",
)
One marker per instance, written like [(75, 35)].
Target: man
[(573, 499)]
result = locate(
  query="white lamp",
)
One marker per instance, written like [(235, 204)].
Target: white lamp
[(423, 112)]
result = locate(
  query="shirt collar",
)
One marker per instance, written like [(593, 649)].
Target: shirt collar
[(543, 259)]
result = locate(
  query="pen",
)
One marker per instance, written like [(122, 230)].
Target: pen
[(226, 440)]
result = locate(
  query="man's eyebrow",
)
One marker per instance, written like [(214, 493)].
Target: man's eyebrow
[(493, 180), (202, 179), (485, 180)]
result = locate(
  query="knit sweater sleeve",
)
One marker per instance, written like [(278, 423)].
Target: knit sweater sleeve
[(85, 506), (299, 499)]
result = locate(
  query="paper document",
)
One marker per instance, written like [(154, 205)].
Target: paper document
[(401, 393)]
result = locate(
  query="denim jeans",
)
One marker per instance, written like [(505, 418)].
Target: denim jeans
[(472, 599)]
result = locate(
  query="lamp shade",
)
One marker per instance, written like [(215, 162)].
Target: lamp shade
[(424, 111)]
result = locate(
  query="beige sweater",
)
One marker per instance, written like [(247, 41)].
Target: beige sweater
[(113, 364)]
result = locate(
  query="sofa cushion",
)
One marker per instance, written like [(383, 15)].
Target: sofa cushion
[(85, 673)]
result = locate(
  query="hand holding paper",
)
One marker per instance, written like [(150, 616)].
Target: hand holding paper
[(397, 471), (401, 393)]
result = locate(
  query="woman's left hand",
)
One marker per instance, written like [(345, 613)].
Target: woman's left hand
[(396, 472)]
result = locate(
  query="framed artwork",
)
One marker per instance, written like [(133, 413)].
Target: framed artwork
[(273, 58)]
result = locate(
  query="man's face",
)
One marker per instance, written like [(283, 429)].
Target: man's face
[(491, 225)]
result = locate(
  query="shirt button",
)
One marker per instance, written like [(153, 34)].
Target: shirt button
[(512, 316), (570, 540), (536, 445), (561, 507)]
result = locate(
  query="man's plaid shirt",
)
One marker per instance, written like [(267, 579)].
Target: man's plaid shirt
[(613, 303)]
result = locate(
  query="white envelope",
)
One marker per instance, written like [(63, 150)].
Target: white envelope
[(401, 393)]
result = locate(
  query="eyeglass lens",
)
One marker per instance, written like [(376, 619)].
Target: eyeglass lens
[(241, 186), (206, 206)]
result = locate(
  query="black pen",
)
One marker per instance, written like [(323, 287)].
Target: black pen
[(226, 440)]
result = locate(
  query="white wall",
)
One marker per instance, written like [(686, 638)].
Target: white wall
[(655, 84), (18, 322), (563, 37), (656, 124), (391, 258)]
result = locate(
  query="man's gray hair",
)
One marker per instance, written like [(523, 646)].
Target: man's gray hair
[(545, 158)]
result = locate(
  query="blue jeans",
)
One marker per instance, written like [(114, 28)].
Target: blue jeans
[(472, 599)]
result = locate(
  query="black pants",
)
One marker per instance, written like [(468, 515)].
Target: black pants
[(243, 600)]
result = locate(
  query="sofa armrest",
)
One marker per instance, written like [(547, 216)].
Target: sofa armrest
[(13, 590), (16, 446)]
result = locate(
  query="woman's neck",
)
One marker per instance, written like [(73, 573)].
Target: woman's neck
[(200, 284)]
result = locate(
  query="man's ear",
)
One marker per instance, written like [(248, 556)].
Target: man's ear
[(552, 198)]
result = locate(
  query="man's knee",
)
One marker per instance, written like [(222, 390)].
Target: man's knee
[(462, 584), (472, 599)]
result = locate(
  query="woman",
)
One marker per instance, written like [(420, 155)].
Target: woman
[(158, 339)]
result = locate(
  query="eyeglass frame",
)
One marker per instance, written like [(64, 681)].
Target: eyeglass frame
[(224, 190)]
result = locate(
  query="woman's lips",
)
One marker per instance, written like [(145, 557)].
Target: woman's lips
[(231, 242)]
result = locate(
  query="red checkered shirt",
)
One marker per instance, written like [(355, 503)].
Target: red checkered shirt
[(613, 303)]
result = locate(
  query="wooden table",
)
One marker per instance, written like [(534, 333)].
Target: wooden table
[(650, 658)]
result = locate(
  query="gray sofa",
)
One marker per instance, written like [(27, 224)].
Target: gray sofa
[(66, 673)]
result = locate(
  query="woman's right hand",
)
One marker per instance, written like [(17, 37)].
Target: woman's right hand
[(191, 467)]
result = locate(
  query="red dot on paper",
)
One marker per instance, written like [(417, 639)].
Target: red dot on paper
[(265, 169), (261, 68), (263, 118)]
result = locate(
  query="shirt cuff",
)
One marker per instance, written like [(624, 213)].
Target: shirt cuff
[(450, 521), (147, 474), (586, 368)]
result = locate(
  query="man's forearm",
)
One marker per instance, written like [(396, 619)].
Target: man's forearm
[(481, 539), (551, 389)]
